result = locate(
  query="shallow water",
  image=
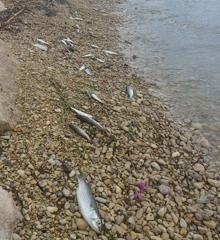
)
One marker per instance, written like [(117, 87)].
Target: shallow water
[(176, 44)]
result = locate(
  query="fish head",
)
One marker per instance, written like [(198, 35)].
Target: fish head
[(97, 224)]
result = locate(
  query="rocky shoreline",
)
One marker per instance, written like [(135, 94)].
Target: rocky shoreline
[(42, 156)]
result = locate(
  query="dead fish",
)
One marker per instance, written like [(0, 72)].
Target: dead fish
[(96, 98), (80, 113), (77, 28), (40, 46), (91, 121), (110, 52), (69, 44), (94, 46), (100, 60), (76, 18), (80, 131), (130, 92), (90, 55), (87, 205), (88, 71), (41, 41), (82, 68)]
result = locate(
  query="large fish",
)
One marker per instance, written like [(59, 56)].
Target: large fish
[(130, 92), (91, 121), (80, 131), (87, 205)]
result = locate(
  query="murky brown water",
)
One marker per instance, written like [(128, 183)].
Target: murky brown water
[(177, 44)]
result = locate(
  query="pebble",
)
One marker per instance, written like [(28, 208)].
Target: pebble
[(52, 209), (197, 125), (101, 200), (214, 183), (210, 224), (162, 212), (204, 142), (131, 220), (164, 189), (21, 173), (199, 167), (72, 173), (197, 237), (175, 154), (81, 224), (183, 223), (73, 236), (15, 237), (155, 165), (66, 192)]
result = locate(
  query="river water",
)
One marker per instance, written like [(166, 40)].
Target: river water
[(176, 44)]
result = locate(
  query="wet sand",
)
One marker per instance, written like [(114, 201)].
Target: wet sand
[(42, 156)]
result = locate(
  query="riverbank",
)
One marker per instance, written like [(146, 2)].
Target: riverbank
[(42, 156)]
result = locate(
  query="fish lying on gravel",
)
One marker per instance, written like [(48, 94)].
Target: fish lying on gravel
[(80, 113), (80, 131), (76, 18), (91, 121), (94, 46), (90, 55), (93, 95), (68, 44), (82, 68), (88, 71), (41, 41), (110, 52), (40, 46), (130, 92), (87, 205)]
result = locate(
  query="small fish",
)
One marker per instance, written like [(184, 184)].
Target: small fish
[(40, 46), (94, 46), (88, 72), (110, 52), (80, 113), (69, 44), (90, 55), (91, 121), (130, 92), (80, 131), (41, 41), (96, 98), (82, 68), (87, 205), (100, 60), (76, 18)]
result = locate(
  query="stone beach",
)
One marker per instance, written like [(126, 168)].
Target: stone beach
[(41, 157)]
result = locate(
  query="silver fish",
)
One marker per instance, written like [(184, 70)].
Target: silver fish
[(80, 131), (91, 121), (40, 46), (68, 44), (76, 18), (100, 60), (87, 205), (130, 92), (82, 67), (80, 113), (110, 52), (41, 41), (96, 98), (90, 55), (88, 71), (94, 46)]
